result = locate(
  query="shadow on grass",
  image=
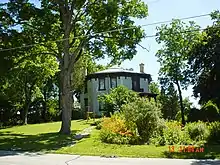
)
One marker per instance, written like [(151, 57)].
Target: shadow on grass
[(34, 143), (5, 127), (210, 152)]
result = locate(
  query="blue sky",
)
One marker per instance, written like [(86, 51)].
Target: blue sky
[(162, 10)]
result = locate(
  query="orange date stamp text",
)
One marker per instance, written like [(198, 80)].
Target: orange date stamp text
[(185, 149)]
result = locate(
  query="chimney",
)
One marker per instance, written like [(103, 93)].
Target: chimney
[(141, 67)]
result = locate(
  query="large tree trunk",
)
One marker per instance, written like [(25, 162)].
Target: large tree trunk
[(66, 94), (66, 102), (44, 106), (66, 68), (25, 114), (181, 103)]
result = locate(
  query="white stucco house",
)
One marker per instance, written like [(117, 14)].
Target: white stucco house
[(101, 82)]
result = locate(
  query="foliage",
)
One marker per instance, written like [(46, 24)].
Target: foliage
[(117, 97), (204, 63), (115, 131), (98, 124), (26, 77), (214, 136), (171, 134), (169, 102), (195, 115), (198, 131), (154, 88), (177, 39), (210, 111), (142, 115)]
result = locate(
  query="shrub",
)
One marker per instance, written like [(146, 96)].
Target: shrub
[(174, 134), (114, 131), (116, 98), (214, 135), (142, 115), (97, 123), (171, 134), (197, 131)]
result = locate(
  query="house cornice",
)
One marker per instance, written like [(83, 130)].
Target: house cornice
[(119, 74)]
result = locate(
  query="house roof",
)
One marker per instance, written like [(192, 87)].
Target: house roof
[(117, 71)]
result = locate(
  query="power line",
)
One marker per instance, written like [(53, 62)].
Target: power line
[(110, 31)]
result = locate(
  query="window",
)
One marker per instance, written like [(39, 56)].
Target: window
[(113, 81), (101, 84)]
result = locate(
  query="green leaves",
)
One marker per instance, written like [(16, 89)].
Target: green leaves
[(116, 98), (204, 62), (177, 40)]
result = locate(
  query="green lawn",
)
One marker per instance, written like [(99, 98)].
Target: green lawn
[(38, 137), (44, 137)]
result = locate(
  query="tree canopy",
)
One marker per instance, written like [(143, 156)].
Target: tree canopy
[(177, 39)]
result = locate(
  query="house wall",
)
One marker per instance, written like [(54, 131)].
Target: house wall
[(126, 82)]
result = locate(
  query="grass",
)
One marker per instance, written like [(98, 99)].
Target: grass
[(93, 146), (38, 137), (44, 137)]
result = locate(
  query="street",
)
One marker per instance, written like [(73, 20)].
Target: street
[(15, 158)]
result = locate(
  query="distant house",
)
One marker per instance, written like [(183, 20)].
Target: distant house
[(101, 82)]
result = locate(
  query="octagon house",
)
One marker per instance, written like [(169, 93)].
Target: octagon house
[(101, 83)]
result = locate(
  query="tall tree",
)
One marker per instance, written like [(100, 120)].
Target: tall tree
[(168, 98), (205, 63), (30, 75), (169, 101), (69, 21), (177, 39)]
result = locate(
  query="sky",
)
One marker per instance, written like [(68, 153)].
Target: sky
[(163, 10)]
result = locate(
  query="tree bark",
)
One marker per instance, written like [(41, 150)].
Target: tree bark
[(181, 103), (66, 103), (44, 106), (25, 115), (66, 94)]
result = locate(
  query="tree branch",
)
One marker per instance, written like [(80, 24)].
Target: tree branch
[(77, 54)]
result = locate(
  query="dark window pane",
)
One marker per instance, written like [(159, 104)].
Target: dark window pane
[(101, 84), (113, 82)]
